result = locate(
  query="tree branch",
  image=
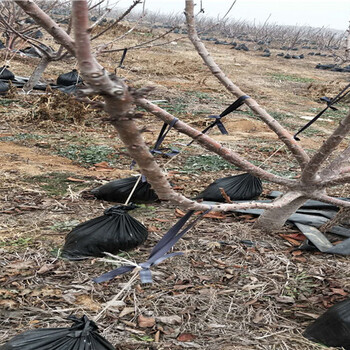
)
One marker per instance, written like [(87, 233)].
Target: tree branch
[(327, 148), (282, 133), (212, 145), (47, 23)]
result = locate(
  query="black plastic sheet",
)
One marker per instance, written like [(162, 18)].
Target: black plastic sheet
[(4, 87), (238, 187), (113, 232), (119, 190), (69, 78), (82, 335), (333, 327), (6, 74)]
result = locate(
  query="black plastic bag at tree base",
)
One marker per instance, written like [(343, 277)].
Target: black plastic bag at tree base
[(238, 187), (6, 74), (119, 191), (113, 232), (69, 78), (82, 335), (333, 327), (4, 87)]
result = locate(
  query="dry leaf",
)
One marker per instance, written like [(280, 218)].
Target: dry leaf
[(285, 299), (339, 291), (87, 302), (184, 337), (174, 319), (157, 337), (146, 322), (126, 311), (45, 268), (73, 179), (103, 165)]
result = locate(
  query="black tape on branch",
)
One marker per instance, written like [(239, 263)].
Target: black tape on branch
[(119, 190), (218, 121), (70, 78), (330, 103), (333, 327), (238, 187), (113, 232), (159, 252), (123, 58), (82, 335), (169, 152)]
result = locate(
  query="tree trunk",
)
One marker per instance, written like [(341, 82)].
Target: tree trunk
[(36, 75), (273, 219)]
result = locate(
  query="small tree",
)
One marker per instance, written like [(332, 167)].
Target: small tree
[(120, 101)]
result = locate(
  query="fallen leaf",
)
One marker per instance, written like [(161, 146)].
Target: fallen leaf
[(126, 311), (174, 319), (87, 302), (184, 337), (157, 337), (297, 252), (339, 291), (146, 322), (73, 179), (102, 165), (45, 268), (182, 286), (285, 299)]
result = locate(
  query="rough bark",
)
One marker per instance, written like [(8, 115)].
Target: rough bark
[(273, 219)]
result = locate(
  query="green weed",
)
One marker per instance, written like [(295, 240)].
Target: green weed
[(294, 78), (206, 163), (20, 242), (21, 137), (89, 155), (54, 184)]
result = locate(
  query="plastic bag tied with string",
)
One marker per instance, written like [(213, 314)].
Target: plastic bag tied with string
[(6, 74), (113, 232), (119, 190), (238, 187), (82, 335), (70, 78)]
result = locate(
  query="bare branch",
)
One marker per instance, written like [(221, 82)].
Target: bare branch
[(135, 3), (282, 133), (311, 169), (47, 23), (212, 145)]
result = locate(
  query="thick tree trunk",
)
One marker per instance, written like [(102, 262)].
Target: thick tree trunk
[(36, 75), (273, 219)]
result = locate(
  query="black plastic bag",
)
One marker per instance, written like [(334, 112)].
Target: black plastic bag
[(4, 87), (333, 327), (113, 232), (6, 74), (82, 335), (238, 187), (119, 190), (69, 78)]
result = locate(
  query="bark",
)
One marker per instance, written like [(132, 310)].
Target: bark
[(273, 219), (36, 75)]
